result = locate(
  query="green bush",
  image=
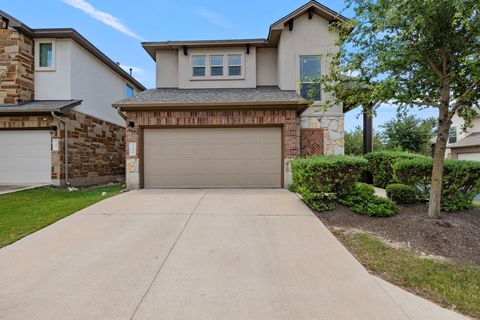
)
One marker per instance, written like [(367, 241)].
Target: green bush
[(362, 200), (402, 193), (460, 183), (321, 179), (380, 164)]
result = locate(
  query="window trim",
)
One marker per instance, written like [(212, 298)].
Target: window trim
[(197, 66), (235, 65), (299, 58), (208, 66), (454, 130), (217, 65), (37, 55), (129, 86)]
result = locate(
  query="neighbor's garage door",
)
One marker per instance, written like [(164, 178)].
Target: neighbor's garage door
[(212, 158), (469, 156), (25, 156)]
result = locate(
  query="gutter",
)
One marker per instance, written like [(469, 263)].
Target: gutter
[(65, 144)]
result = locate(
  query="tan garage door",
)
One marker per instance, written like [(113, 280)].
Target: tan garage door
[(212, 158)]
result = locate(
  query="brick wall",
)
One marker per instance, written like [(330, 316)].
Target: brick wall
[(16, 67), (311, 141), (96, 147), (286, 118)]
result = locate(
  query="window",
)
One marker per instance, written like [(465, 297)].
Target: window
[(198, 65), (310, 72), (45, 54), (129, 91), (216, 65), (234, 65), (452, 135)]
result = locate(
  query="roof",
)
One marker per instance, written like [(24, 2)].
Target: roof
[(39, 106), (271, 41), (69, 33), (472, 140), (220, 97)]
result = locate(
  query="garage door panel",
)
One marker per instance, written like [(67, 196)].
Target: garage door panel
[(469, 156), (25, 156), (212, 157)]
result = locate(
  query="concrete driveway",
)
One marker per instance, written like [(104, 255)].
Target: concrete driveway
[(195, 254)]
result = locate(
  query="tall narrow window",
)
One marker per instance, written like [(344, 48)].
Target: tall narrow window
[(234, 65), (198, 66), (129, 91), (216, 65), (310, 73), (45, 55), (452, 135)]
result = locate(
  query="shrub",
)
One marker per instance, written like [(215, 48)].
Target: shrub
[(380, 164), (402, 193), (362, 200), (321, 179), (460, 183)]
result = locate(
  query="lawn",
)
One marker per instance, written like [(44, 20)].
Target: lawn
[(451, 285), (24, 212)]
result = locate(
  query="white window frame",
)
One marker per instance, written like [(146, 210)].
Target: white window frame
[(225, 76), (241, 65), (299, 57), (212, 65), (37, 55)]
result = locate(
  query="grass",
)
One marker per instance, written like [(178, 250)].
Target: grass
[(448, 284), (476, 202), (24, 212)]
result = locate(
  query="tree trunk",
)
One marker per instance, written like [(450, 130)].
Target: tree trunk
[(438, 161)]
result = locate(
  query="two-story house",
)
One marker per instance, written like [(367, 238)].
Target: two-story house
[(57, 125), (464, 144), (227, 113)]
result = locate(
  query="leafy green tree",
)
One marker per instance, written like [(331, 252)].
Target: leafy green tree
[(414, 53), (408, 133), (354, 142)]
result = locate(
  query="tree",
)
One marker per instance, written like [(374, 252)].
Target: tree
[(354, 142), (408, 133), (415, 53)]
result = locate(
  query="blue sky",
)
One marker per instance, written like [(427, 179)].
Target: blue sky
[(117, 26)]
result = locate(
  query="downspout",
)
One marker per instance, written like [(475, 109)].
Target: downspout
[(65, 144)]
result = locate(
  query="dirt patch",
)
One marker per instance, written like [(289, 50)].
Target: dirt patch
[(455, 236)]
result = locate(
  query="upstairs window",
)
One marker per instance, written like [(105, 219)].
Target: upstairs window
[(452, 135), (129, 91), (234, 65), (198, 65), (216, 65), (310, 73), (45, 55)]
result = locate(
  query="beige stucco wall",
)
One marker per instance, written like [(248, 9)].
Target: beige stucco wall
[(167, 68), (185, 80), (266, 67)]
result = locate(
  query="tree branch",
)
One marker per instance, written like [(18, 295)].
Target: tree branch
[(461, 99), (435, 68)]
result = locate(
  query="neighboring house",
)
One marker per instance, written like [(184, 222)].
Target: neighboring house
[(52, 80), (464, 145), (227, 113)]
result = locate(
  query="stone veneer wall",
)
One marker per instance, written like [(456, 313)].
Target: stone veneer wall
[(286, 118), (96, 147), (311, 141), (16, 67), (333, 140)]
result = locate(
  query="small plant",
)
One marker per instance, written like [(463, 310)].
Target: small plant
[(362, 200), (401, 193)]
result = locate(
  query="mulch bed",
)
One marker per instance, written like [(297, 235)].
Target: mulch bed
[(455, 236)]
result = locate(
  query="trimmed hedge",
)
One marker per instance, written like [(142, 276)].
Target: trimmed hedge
[(460, 184), (362, 200), (320, 180), (402, 193), (380, 164)]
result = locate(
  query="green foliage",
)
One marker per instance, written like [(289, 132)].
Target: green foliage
[(460, 182), (321, 179), (354, 142), (380, 164), (362, 200), (408, 133), (402, 193)]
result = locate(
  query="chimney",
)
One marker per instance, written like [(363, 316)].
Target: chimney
[(130, 71)]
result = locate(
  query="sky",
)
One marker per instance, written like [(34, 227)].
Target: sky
[(117, 27)]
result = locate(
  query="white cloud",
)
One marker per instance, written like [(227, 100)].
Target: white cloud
[(213, 17), (102, 16)]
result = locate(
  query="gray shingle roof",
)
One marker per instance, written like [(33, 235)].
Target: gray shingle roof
[(217, 96), (40, 106), (469, 141)]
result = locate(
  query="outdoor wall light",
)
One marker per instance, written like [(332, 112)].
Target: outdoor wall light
[(131, 125), (52, 129)]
